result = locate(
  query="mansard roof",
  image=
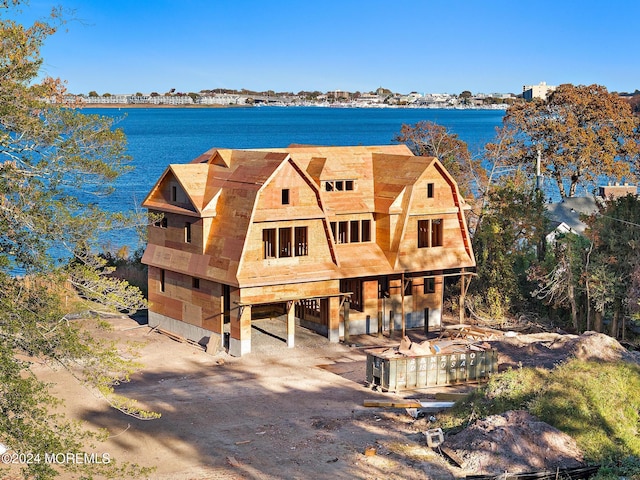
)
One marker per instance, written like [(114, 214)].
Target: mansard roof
[(225, 184)]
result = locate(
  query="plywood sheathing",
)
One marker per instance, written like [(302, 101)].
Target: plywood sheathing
[(238, 190)]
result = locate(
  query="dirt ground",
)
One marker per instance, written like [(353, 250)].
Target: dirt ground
[(281, 413)]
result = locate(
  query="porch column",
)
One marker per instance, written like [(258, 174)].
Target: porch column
[(240, 331), (291, 324), (333, 324)]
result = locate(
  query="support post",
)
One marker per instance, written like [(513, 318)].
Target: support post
[(333, 318), (463, 293), (240, 335), (403, 321), (347, 306), (291, 324)]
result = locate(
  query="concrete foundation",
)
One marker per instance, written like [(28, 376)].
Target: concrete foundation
[(210, 340)]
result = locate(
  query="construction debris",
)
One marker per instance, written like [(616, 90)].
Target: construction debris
[(459, 344)]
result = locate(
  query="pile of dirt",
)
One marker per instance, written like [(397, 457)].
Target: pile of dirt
[(514, 442), (547, 350)]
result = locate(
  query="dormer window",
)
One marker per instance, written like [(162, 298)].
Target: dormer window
[(339, 185)]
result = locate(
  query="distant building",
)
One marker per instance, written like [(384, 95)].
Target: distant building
[(565, 215), (529, 92), (617, 190)]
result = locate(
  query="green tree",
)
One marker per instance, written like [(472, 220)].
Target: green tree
[(581, 133), (53, 161), (506, 244), (561, 280), (615, 233)]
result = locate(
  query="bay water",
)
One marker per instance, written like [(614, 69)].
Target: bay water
[(157, 137)]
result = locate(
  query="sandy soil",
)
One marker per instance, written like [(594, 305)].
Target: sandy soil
[(286, 413)]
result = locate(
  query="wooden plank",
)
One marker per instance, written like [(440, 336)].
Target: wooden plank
[(171, 335), (392, 403), (449, 454)]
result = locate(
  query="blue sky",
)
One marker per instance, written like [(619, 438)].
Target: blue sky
[(443, 46)]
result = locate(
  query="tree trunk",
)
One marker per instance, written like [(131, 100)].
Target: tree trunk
[(614, 322), (558, 178), (572, 302), (597, 321)]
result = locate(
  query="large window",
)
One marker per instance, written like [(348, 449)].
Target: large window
[(430, 233), (423, 233), (285, 242), (352, 231), (284, 239), (366, 230), (436, 233), (343, 232), (269, 242), (302, 247)]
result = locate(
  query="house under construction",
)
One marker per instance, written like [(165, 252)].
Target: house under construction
[(365, 234)]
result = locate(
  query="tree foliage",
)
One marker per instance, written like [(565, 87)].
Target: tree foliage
[(506, 242), (615, 233), (54, 161), (581, 134), (429, 139)]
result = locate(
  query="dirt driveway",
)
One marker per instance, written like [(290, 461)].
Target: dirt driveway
[(276, 413)]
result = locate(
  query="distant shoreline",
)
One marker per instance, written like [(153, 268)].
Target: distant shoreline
[(153, 105)]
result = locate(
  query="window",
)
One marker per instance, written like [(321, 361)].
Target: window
[(408, 287), (285, 196), (354, 231), (285, 247), (269, 242), (342, 232), (430, 285), (174, 193), (366, 230), (339, 185), (284, 239), (162, 282), (195, 283), (354, 287), (430, 233), (429, 190), (187, 232), (301, 241), (423, 233), (436, 233)]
